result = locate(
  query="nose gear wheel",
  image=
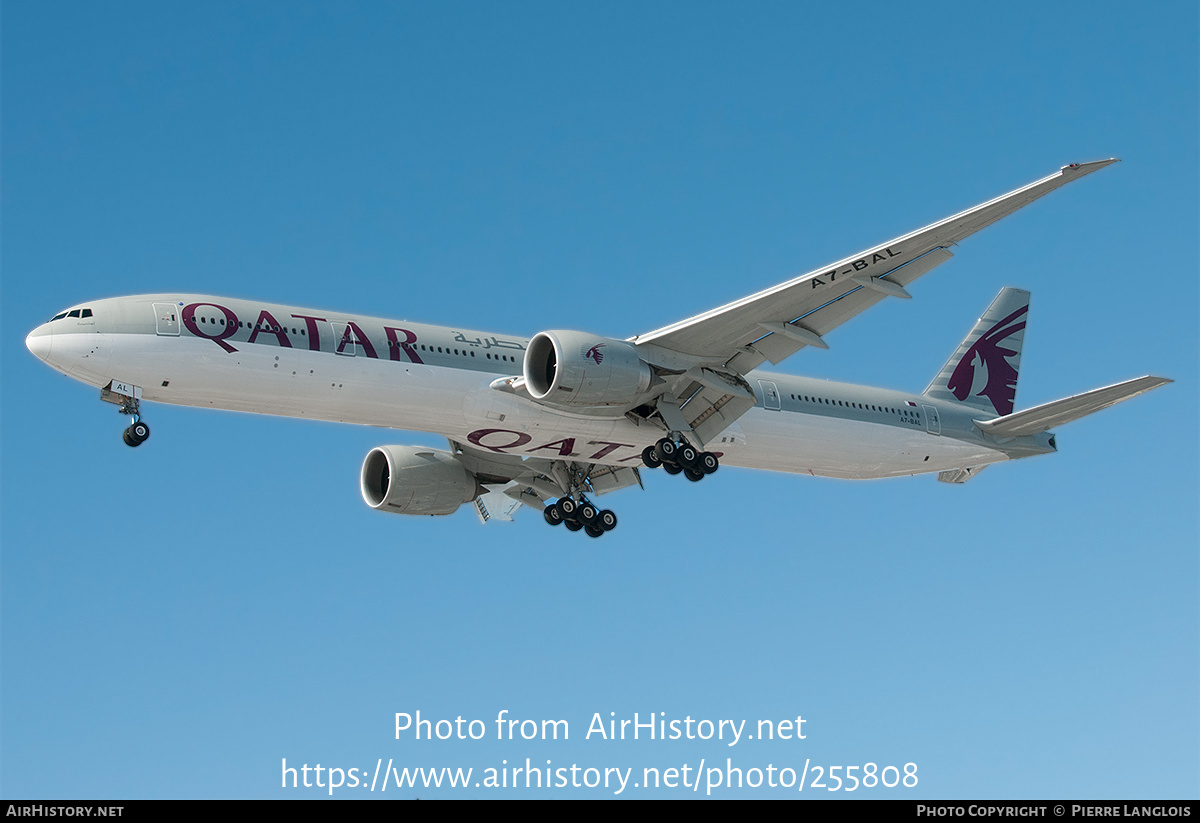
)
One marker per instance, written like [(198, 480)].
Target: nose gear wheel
[(138, 432)]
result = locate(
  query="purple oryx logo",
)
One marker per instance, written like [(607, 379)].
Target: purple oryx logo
[(594, 353), (998, 383)]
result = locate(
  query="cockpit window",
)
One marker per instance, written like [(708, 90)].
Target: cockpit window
[(80, 313)]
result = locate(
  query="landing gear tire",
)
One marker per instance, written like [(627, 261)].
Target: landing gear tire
[(709, 463), (552, 515), (138, 432), (587, 513), (671, 468), (593, 531), (136, 435), (693, 474), (687, 456), (665, 449), (573, 525), (567, 507), (607, 520), (650, 458)]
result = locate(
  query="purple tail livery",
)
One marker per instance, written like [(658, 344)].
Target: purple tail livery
[(982, 372)]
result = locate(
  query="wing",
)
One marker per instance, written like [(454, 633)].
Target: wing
[(712, 351)]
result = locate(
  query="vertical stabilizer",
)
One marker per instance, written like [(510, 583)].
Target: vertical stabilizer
[(982, 372)]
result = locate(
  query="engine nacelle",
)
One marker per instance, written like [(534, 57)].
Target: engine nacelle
[(571, 368), (413, 480)]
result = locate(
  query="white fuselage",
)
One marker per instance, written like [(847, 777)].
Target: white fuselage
[(272, 359)]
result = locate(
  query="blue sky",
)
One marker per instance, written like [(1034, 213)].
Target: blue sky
[(175, 620)]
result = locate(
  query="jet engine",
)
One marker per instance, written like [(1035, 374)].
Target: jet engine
[(571, 368), (413, 480)]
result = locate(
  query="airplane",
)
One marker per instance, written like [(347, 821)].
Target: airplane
[(549, 421)]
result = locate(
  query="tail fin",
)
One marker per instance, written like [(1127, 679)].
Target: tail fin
[(982, 372)]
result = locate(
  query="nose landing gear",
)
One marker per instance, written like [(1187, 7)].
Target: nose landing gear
[(126, 397), (138, 432)]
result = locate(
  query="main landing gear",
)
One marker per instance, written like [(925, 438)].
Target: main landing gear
[(138, 432), (580, 514), (677, 456)]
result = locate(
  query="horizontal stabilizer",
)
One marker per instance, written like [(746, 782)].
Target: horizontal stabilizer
[(1047, 416)]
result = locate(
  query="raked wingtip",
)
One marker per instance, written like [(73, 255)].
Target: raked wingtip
[(1087, 168)]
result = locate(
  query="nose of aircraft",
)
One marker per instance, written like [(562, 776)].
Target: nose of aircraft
[(40, 341)]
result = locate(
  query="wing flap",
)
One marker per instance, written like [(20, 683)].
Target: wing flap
[(1048, 415), (605, 479), (960, 475), (773, 347), (500, 504)]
